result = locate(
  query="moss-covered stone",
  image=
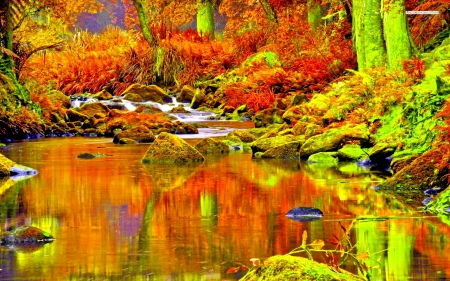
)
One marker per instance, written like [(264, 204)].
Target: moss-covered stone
[(382, 150), (427, 171), (334, 139), (25, 235), (212, 146), (5, 165), (244, 136), (187, 94), (127, 141), (90, 109), (91, 155), (351, 152), (323, 158), (103, 95), (289, 150), (148, 93), (268, 116), (286, 267), (139, 134), (179, 109), (59, 99), (262, 145), (168, 148), (134, 97)]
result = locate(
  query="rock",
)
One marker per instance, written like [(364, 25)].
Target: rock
[(323, 158), (312, 130), (179, 109), (150, 109), (319, 104), (262, 145), (289, 150), (127, 141), (300, 128), (132, 97), (381, 151), (212, 146), (139, 134), (268, 116), (168, 148), (333, 139), (5, 165), (90, 109), (440, 204), (241, 109), (92, 155), (287, 267), (103, 95), (148, 93), (25, 235), (351, 152), (399, 163), (304, 214), (187, 94), (198, 98), (425, 172), (244, 136), (19, 171), (59, 99), (298, 99)]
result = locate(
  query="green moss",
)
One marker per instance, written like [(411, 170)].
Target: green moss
[(271, 58), (288, 267)]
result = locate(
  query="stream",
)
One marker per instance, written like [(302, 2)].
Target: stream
[(116, 219)]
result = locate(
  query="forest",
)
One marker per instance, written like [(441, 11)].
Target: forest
[(319, 81)]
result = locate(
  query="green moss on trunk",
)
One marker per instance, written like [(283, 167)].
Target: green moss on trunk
[(375, 53), (205, 18)]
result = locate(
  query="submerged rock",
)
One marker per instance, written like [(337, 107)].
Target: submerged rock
[(168, 148), (5, 165), (92, 155), (262, 145), (286, 267), (25, 235), (323, 158), (289, 150)]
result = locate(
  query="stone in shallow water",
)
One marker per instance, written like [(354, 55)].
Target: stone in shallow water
[(25, 235), (304, 214)]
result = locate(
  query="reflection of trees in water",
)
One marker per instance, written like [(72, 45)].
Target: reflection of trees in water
[(11, 203)]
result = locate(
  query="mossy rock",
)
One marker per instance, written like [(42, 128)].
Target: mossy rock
[(139, 134), (333, 139), (286, 267), (25, 235), (148, 93), (263, 145), (59, 99), (268, 117), (179, 109), (103, 95), (289, 150), (133, 97), (244, 136), (127, 141), (5, 166), (212, 146), (351, 152), (90, 109), (198, 98), (425, 172), (91, 155), (323, 158), (440, 204), (168, 148), (381, 151), (187, 94), (272, 59)]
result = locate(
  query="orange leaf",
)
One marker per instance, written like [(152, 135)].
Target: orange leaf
[(244, 268), (362, 256), (304, 237), (232, 270), (317, 244)]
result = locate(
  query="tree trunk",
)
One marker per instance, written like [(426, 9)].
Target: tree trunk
[(270, 13), (205, 18), (374, 50), (314, 13), (143, 21), (398, 43), (358, 32)]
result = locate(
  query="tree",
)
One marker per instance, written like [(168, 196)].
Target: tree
[(205, 17), (378, 46), (314, 13)]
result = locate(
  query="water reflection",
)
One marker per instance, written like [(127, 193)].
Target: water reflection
[(114, 218)]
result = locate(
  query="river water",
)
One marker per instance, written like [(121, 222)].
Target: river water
[(116, 219)]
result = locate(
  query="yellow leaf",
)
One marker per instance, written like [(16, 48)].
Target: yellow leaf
[(362, 256), (304, 237), (317, 244)]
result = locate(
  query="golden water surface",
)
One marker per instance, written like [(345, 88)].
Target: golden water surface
[(116, 219)]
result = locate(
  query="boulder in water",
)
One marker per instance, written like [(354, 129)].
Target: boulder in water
[(168, 148), (212, 146), (25, 235), (304, 214)]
